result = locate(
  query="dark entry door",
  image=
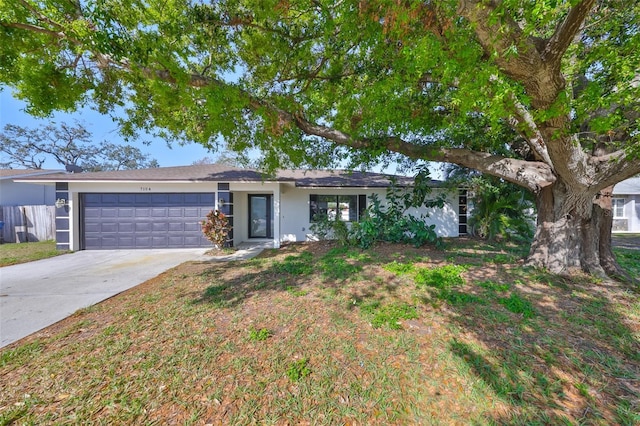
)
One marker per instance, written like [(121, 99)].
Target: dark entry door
[(260, 216)]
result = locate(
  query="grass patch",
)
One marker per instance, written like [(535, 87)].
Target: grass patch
[(15, 253), (629, 260), (295, 265), (518, 305), (441, 277), (234, 343), (389, 315), (299, 369), (260, 335)]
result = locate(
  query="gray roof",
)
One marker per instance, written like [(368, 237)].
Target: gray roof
[(21, 173), (224, 173), (628, 187)]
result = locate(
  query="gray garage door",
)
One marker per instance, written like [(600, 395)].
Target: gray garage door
[(143, 221)]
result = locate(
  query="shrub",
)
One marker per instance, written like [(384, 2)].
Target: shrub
[(216, 228), (389, 223)]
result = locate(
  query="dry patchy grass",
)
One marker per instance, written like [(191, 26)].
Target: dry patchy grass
[(320, 334)]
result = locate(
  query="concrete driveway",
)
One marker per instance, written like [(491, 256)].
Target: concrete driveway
[(37, 294)]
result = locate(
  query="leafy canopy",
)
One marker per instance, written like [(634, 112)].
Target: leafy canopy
[(317, 83)]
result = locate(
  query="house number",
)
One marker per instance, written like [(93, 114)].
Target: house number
[(145, 188)]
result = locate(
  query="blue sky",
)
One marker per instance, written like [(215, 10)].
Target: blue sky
[(102, 128)]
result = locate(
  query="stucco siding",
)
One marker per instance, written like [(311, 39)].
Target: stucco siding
[(26, 194), (296, 221)]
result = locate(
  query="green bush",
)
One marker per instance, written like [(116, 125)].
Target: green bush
[(390, 223)]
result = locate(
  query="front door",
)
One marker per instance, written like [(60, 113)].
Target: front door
[(260, 216)]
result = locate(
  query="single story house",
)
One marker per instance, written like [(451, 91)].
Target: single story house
[(25, 194), (626, 206), (163, 207)]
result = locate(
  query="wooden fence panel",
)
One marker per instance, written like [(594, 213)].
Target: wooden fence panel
[(28, 223)]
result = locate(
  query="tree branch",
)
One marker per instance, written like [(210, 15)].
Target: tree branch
[(565, 33), (516, 55)]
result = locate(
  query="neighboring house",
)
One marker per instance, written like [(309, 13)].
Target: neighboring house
[(625, 204), (26, 194), (26, 210), (163, 207)]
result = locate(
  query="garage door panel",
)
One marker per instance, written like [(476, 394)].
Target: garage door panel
[(143, 227), (125, 212), (145, 220), (176, 226), (109, 227), (192, 227), (191, 212), (125, 227), (107, 212), (160, 227), (142, 212), (159, 212), (126, 199)]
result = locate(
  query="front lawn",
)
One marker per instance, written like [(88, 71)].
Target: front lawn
[(14, 253), (321, 334)]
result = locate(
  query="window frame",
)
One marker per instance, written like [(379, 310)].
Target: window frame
[(617, 207), (359, 207)]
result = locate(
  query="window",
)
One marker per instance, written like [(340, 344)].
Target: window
[(617, 205), (348, 208)]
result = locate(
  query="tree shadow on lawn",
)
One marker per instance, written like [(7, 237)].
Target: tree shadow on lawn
[(289, 271), (557, 350)]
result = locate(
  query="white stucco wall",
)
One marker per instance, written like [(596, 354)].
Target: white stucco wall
[(295, 211), (291, 205), (26, 194)]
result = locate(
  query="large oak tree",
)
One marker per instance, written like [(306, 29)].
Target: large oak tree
[(541, 93)]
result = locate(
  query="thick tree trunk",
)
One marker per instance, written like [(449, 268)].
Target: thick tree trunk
[(567, 238)]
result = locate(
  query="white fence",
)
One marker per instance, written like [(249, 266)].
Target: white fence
[(28, 223)]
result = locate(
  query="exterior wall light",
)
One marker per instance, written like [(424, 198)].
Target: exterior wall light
[(60, 202), (221, 203)]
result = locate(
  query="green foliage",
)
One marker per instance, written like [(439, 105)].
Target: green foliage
[(322, 227), (441, 277), (259, 335), (301, 264), (393, 223), (491, 86), (518, 305), (389, 315), (494, 286), (629, 260), (216, 228), (389, 223), (335, 266), (298, 370), (399, 268), (500, 211)]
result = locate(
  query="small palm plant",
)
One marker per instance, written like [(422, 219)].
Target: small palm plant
[(500, 211)]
